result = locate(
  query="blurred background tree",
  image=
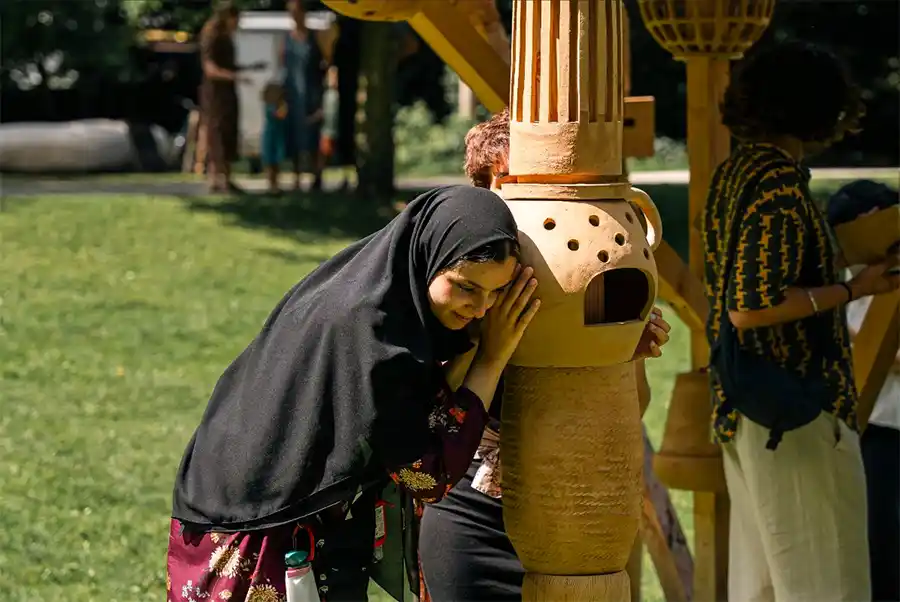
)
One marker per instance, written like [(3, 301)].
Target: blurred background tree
[(66, 59)]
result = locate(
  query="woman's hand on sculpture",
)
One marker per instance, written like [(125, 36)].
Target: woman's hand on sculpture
[(505, 322), (655, 335)]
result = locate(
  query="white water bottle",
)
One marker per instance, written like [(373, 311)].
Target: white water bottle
[(299, 580)]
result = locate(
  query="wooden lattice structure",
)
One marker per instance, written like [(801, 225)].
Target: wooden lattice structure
[(707, 28)]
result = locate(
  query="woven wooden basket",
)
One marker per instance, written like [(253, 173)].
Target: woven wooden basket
[(711, 28)]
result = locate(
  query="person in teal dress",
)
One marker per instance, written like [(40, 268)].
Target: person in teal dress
[(303, 70)]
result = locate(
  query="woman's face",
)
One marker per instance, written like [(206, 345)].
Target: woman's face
[(232, 23), (465, 293)]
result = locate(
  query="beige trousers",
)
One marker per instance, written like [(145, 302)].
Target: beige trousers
[(798, 515)]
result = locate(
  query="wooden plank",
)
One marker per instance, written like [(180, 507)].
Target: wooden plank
[(711, 546), (708, 145), (453, 38), (635, 569), (663, 536), (681, 289), (639, 128), (874, 351)]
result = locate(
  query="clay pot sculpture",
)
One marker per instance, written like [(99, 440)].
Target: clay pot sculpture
[(572, 439), (594, 262)]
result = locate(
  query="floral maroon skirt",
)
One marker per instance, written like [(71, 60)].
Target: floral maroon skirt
[(227, 566), (249, 566)]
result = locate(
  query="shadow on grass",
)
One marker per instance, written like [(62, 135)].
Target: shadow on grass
[(304, 216), (308, 216)]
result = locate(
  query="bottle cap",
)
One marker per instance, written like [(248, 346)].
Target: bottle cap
[(296, 559)]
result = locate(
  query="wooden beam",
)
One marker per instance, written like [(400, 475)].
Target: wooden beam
[(663, 536), (453, 37), (635, 569), (874, 351), (708, 145), (711, 524), (639, 127), (681, 289)]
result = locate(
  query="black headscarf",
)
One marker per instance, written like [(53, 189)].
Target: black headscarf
[(336, 386)]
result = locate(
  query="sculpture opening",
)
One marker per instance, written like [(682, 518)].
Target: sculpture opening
[(615, 296)]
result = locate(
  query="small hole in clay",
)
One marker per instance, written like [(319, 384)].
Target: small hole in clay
[(630, 218), (620, 239), (595, 221), (549, 224), (646, 254), (369, 13), (573, 245), (603, 256)]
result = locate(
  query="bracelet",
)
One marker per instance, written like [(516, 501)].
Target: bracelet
[(812, 299), (849, 291)]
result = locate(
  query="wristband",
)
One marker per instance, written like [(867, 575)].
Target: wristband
[(849, 291)]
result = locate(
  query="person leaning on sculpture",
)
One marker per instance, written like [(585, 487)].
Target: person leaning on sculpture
[(880, 442), (464, 550), (344, 388), (798, 512)]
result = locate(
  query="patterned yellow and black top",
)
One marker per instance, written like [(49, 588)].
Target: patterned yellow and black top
[(784, 242)]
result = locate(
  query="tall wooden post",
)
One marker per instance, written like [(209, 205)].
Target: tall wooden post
[(708, 144)]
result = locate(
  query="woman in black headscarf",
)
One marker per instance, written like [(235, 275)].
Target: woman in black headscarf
[(345, 384)]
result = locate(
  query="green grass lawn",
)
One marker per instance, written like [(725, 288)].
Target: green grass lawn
[(117, 315)]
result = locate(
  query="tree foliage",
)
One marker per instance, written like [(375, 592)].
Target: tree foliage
[(51, 42)]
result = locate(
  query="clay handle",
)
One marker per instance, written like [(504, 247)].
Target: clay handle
[(651, 213)]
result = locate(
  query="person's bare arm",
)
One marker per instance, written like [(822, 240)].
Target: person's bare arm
[(801, 303), (456, 369), (643, 385), (763, 284), (795, 306), (213, 71)]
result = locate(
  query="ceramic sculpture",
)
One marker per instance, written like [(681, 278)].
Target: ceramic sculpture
[(572, 444)]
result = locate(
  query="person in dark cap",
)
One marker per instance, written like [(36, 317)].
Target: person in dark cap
[(880, 441), (344, 388)]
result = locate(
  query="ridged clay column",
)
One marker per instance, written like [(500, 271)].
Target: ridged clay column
[(572, 447)]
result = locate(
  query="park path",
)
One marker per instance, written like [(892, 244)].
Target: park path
[(176, 185)]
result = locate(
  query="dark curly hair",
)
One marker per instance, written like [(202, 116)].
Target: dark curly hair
[(792, 89)]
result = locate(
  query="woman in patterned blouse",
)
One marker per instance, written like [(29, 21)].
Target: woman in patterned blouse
[(344, 385)]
